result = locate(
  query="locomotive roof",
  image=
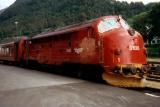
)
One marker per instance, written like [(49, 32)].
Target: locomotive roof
[(8, 41), (66, 29), (70, 28), (7, 44)]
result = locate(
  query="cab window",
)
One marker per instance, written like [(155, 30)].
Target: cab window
[(108, 24)]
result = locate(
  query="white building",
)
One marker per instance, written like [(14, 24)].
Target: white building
[(155, 40)]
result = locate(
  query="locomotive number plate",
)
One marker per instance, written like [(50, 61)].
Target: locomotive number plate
[(134, 48)]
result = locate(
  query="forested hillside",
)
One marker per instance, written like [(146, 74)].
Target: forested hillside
[(148, 23), (1, 11), (34, 16)]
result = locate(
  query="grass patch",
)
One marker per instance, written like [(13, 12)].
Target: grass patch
[(153, 52)]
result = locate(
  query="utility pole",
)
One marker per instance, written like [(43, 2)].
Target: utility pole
[(16, 23)]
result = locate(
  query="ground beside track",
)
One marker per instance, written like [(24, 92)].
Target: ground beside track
[(30, 88)]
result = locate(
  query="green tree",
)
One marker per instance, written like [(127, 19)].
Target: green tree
[(154, 21), (148, 23), (140, 22)]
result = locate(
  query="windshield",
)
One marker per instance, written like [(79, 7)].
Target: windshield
[(124, 24), (108, 24)]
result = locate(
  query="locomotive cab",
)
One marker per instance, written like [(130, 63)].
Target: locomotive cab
[(123, 51)]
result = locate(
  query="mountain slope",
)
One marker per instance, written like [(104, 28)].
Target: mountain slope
[(36, 15), (1, 11)]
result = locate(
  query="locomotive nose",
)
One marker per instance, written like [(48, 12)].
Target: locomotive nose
[(120, 47)]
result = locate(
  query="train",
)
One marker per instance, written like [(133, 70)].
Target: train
[(107, 42)]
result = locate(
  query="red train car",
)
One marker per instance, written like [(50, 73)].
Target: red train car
[(13, 51), (8, 52), (107, 41)]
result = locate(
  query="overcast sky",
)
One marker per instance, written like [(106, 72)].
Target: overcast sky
[(6, 3)]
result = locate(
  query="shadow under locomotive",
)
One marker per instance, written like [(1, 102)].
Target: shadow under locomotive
[(92, 73)]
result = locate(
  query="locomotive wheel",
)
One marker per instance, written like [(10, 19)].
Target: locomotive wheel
[(121, 81)]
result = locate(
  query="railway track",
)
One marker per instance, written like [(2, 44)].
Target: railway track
[(152, 79)]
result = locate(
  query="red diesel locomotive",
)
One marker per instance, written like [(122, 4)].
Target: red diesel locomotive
[(106, 41)]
